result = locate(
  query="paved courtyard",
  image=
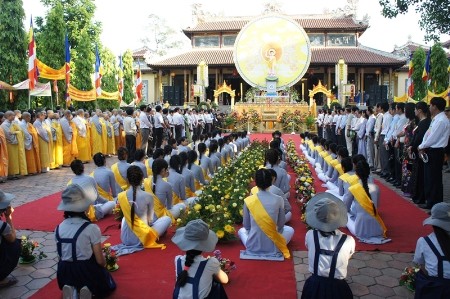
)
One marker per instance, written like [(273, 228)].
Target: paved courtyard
[(370, 274)]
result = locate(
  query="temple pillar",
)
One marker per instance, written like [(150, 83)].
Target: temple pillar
[(232, 103), (185, 87), (329, 84), (390, 84), (362, 86)]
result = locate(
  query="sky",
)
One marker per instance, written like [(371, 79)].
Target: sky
[(125, 23)]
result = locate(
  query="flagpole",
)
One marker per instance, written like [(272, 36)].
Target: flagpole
[(29, 99)]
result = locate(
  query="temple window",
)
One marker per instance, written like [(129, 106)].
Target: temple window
[(338, 40), (206, 41), (228, 40), (317, 40)]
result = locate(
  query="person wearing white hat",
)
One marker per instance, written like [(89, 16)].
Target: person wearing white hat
[(81, 265), (329, 249), (433, 255), (197, 276), (9, 244)]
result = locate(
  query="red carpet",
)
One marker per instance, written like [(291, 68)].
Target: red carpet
[(42, 215)]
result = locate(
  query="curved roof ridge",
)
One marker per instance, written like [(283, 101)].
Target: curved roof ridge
[(380, 52)]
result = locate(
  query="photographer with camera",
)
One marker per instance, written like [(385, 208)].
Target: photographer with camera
[(9, 245)]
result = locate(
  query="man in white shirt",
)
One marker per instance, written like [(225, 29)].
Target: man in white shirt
[(158, 127), (208, 121), (319, 122), (145, 126), (432, 151), (178, 122), (341, 127), (130, 129), (370, 134), (398, 143), (348, 129), (377, 130), (384, 151), (334, 120)]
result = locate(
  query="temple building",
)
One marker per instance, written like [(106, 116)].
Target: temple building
[(333, 38)]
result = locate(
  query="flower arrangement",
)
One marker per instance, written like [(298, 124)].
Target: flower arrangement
[(221, 202), (310, 121), (254, 117), (117, 212), (110, 257), (408, 278), (304, 184), (226, 265), (27, 254), (231, 119)]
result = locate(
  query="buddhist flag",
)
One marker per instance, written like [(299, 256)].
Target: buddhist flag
[(138, 85), (120, 83), (97, 75), (67, 46), (427, 67), (410, 83), (33, 72)]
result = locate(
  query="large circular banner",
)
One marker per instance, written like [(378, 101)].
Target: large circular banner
[(272, 46)]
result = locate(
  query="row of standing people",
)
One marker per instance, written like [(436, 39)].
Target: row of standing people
[(403, 143)]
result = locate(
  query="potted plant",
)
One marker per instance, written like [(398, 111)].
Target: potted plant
[(110, 257), (27, 254)]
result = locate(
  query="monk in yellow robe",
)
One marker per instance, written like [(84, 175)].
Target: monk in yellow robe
[(58, 146), (96, 134), (45, 141), (70, 149), (120, 117), (32, 154), (82, 140), (88, 133), (116, 125), (17, 164), (104, 135), (111, 146), (3, 153)]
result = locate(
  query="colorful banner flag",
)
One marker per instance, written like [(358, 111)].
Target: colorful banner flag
[(42, 90), (67, 46), (120, 83), (410, 83), (33, 72), (97, 75), (427, 67), (139, 85)]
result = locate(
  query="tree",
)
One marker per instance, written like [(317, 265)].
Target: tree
[(439, 69), (162, 38), (13, 50), (128, 74), (50, 43), (81, 76), (109, 80), (435, 14), (420, 86)]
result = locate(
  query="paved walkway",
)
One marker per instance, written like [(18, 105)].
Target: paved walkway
[(370, 274)]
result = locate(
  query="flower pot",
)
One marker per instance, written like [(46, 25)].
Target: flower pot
[(27, 260), (113, 268)]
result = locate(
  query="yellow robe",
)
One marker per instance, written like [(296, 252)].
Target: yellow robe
[(83, 145), (111, 145), (70, 149), (58, 151), (104, 137), (17, 161), (33, 155), (3, 155), (97, 141), (46, 148), (89, 140)]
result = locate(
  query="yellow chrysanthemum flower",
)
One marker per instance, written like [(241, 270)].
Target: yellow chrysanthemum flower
[(220, 234), (197, 207), (229, 229)]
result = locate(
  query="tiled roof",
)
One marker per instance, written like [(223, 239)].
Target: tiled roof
[(236, 24), (140, 53), (446, 44), (320, 56)]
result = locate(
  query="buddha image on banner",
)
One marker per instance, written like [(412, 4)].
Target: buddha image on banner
[(272, 46)]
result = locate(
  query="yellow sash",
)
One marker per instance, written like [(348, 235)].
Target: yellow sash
[(350, 179), (334, 162), (328, 159), (266, 223), (175, 198), (149, 169), (364, 201), (146, 234), (205, 175), (160, 209), (91, 211), (254, 190), (123, 183), (197, 184), (339, 169), (223, 161), (189, 192), (102, 192)]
